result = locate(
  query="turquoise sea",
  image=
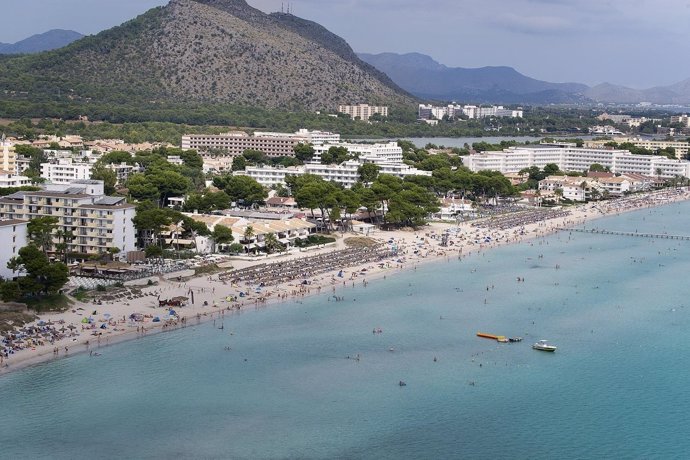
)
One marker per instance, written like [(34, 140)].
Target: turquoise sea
[(618, 308)]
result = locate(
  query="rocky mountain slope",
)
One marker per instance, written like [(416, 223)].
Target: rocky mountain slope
[(210, 51)]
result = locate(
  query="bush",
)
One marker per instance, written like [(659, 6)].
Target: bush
[(80, 294), (314, 240)]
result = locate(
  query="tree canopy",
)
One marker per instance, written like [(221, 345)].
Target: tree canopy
[(243, 190), (41, 275)]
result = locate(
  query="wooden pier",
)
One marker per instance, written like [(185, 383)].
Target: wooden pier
[(661, 236)]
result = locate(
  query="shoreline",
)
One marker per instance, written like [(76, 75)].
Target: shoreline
[(415, 248)]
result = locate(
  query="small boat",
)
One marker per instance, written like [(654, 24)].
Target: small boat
[(402, 384), (515, 339), (543, 345)]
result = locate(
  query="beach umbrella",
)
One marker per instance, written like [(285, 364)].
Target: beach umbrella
[(71, 326)]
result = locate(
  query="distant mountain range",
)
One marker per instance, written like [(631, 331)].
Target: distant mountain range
[(53, 39), (678, 93), (208, 52), (427, 79), (226, 52)]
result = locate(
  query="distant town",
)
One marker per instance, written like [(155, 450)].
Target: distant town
[(93, 190)]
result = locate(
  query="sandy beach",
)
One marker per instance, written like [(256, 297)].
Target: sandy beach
[(270, 282)]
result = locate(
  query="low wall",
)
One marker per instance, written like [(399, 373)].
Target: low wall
[(12, 306), (318, 246)]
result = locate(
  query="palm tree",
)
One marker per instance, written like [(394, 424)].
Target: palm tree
[(559, 194), (272, 243), (65, 237), (248, 234)]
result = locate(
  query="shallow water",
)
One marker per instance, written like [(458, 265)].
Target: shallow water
[(617, 308)]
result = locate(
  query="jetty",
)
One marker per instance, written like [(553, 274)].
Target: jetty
[(662, 236)]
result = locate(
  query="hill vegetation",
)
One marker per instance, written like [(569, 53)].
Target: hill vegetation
[(198, 52)]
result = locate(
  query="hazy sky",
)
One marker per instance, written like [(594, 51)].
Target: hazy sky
[(639, 43)]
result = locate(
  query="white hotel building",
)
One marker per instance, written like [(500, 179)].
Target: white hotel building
[(570, 158), (65, 170), (387, 156), (272, 144), (13, 237), (363, 111), (98, 222)]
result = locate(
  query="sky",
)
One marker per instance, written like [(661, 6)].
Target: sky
[(635, 43)]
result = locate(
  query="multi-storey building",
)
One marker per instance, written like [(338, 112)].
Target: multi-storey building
[(9, 157), (97, 222), (65, 171), (346, 173), (363, 111), (11, 180), (572, 188), (272, 144), (570, 158), (388, 152), (235, 143), (123, 171), (303, 135), (682, 119), (616, 118), (681, 147), (388, 157), (13, 237), (428, 111)]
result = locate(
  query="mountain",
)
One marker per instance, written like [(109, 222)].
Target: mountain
[(204, 51), (678, 93), (53, 39), (424, 77)]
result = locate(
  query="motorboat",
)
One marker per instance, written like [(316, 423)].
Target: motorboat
[(543, 345)]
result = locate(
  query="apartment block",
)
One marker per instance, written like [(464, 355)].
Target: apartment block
[(96, 221), (13, 237), (65, 171), (428, 111), (11, 180), (570, 158), (272, 144), (235, 143), (682, 119), (9, 157), (363, 111)]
